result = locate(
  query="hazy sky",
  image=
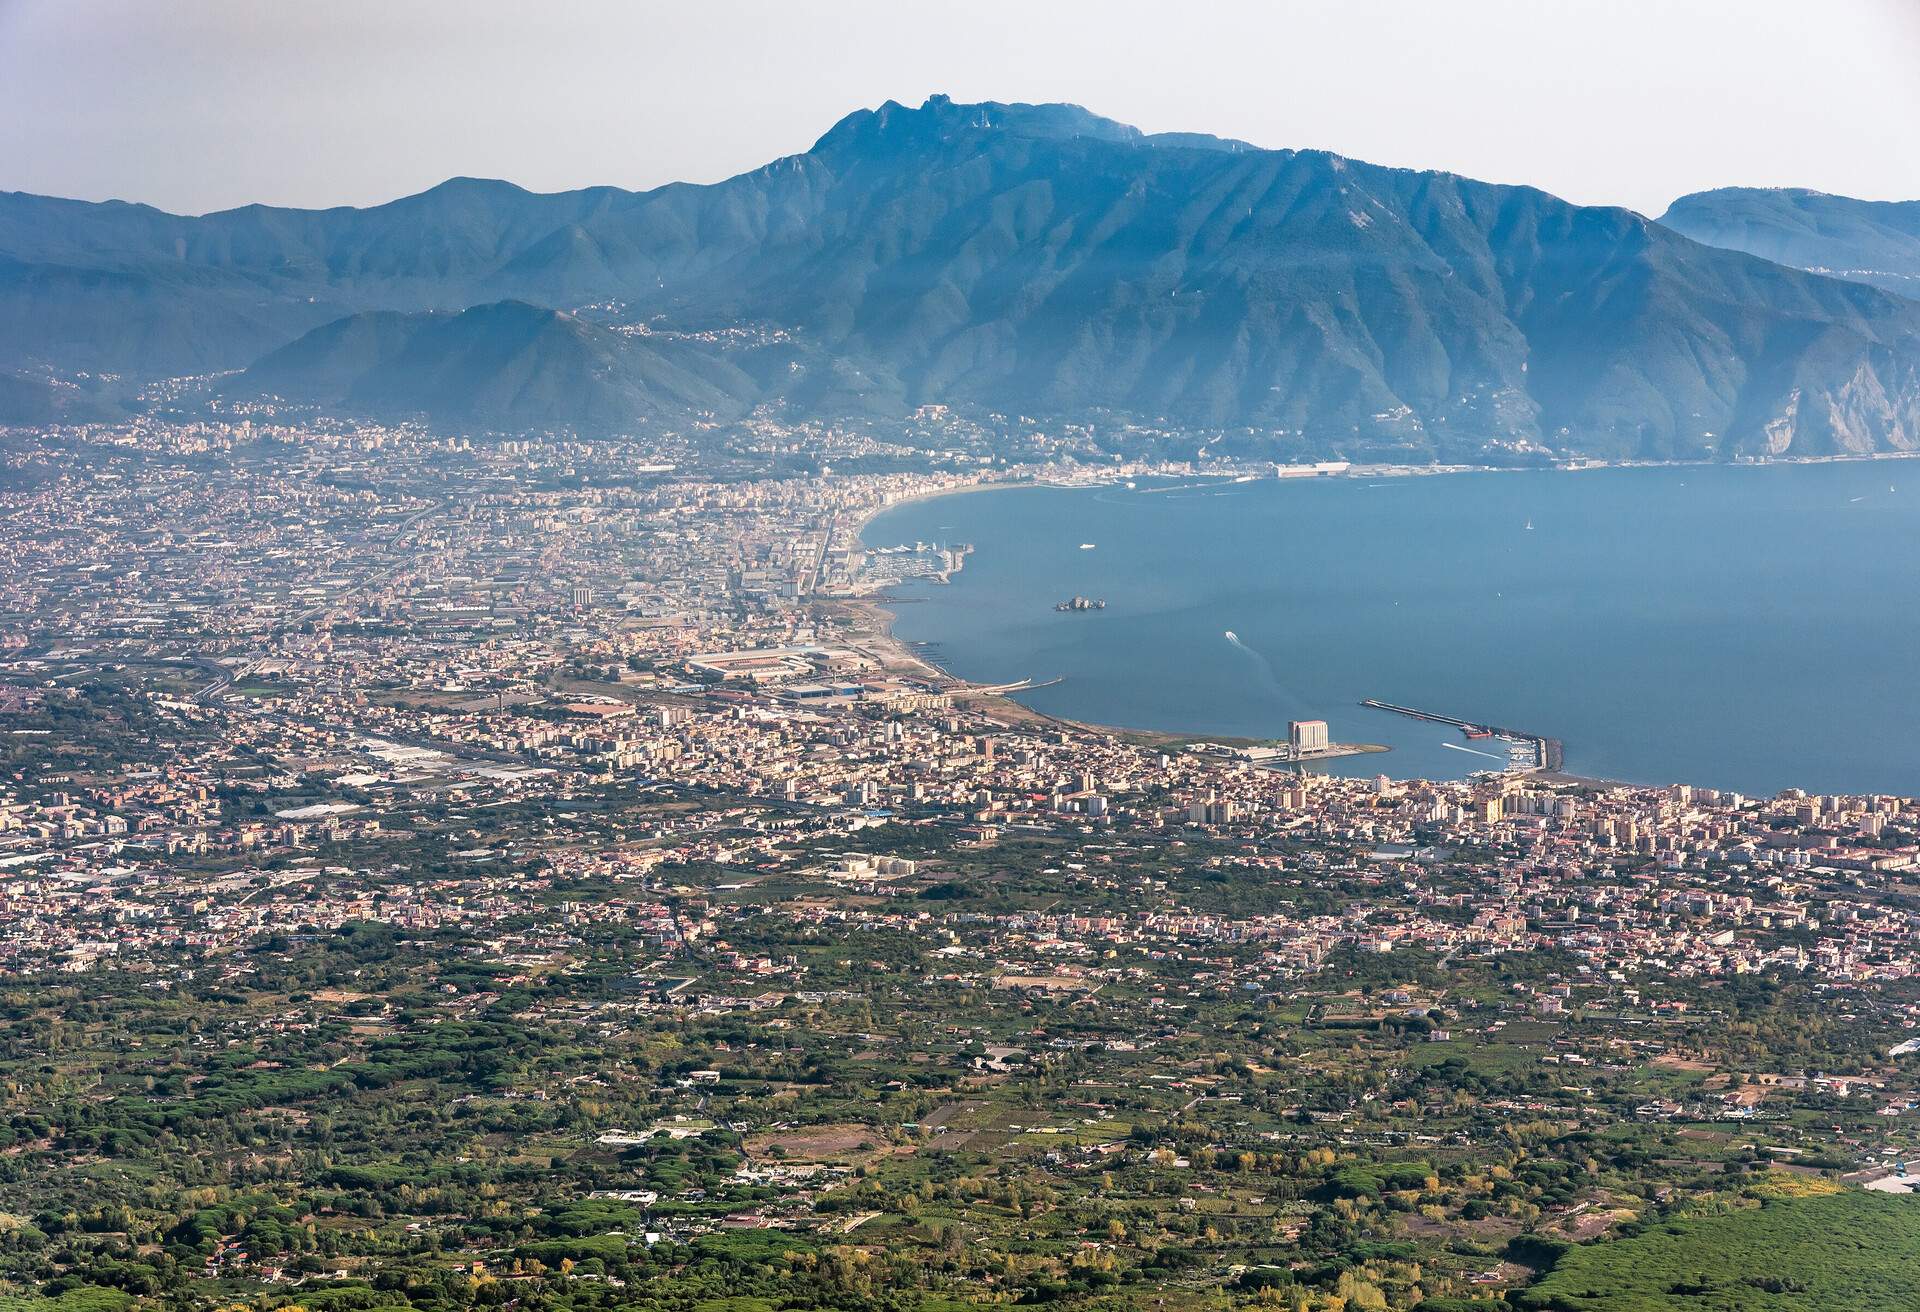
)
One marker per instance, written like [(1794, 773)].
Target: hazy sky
[(200, 104)]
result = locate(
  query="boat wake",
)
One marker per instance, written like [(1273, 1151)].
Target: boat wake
[(1471, 751), (1286, 694)]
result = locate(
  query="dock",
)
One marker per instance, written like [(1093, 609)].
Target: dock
[(1001, 689), (1549, 753)]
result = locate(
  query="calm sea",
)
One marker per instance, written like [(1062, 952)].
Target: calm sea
[(1751, 628)]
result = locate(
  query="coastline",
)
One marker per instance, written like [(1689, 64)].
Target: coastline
[(875, 615), (873, 622), (859, 525)]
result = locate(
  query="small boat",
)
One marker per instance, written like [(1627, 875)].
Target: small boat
[(1086, 546)]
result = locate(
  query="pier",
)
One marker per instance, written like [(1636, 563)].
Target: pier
[(1000, 689), (1549, 753)]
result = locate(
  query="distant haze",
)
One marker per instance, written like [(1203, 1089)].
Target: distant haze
[(195, 105)]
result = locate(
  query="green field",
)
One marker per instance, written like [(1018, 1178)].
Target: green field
[(1854, 1251)]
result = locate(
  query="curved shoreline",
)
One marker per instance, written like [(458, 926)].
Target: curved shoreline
[(878, 638), (1810, 490)]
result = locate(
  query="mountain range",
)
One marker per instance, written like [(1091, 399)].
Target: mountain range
[(1029, 260), (1870, 241)]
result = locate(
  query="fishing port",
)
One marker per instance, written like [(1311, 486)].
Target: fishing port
[(1548, 753)]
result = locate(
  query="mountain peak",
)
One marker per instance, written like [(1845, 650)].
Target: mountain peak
[(1717, 194), (895, 128), (471, 189), (940, 118)]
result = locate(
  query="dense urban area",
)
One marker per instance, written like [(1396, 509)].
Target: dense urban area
[(444, 873)]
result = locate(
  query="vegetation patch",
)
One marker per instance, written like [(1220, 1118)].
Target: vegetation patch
[(1857, 1251)]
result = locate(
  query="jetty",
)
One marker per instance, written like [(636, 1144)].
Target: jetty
[(1549, 753), (1001, 689)]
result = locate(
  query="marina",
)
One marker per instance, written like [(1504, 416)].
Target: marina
[(1545, 753)]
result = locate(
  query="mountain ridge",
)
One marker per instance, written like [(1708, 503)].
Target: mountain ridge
[(1871, 241), (1013, 259)]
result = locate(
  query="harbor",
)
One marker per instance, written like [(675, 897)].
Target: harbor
[(1433, 597), (1548, 753)]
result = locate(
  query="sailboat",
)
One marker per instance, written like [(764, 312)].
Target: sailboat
[(1529, 526)]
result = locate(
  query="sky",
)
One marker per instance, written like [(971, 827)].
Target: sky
[(195, 105)]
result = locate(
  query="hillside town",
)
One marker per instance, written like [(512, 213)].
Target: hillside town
[(587, 749), (308, 664)]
